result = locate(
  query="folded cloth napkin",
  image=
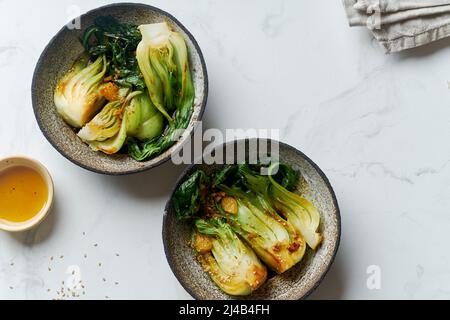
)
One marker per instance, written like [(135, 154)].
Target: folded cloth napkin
[(397, 5), (401, 24)]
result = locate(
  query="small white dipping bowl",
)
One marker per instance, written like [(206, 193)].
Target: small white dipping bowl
[(19, 161)]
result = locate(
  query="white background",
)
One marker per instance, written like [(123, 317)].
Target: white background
[(378, 125)]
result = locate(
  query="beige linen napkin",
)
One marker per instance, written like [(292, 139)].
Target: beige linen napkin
[(401, 24), (397, 5)]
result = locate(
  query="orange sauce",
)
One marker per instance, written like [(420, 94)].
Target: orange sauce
[(23, 194)]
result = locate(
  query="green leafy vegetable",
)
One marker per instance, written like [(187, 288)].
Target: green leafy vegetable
[(242, 215), (144, 121), (107, 132), (287, 177), (232, 265), (105, 125), (273, 239), (299, 212), (151, 59), (118, 42), (174, 71), (226, 176), (78, 94), (155, 58), (189, 197)]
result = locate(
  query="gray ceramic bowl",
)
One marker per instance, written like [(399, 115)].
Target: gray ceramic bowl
[(297, 283), (57, 59)]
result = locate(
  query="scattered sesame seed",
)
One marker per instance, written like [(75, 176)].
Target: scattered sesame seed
[(96, 245), (116, 283)]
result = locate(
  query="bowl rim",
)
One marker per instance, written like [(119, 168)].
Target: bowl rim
[(39, 168), (174, 148), (165, 234)]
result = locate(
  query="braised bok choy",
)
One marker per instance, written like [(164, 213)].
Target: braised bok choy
[(263, 212), (232, 265), (298, 211), (78, 94), (171, 67), (130, 91), (273, 239)]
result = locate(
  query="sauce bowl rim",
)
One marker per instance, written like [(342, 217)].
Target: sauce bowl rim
[(19, 160)]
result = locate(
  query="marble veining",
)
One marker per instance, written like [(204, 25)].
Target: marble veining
[(377, 124)]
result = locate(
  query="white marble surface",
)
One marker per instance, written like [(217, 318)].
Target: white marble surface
[(378, 125)]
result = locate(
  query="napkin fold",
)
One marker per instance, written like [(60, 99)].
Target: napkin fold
[(401, 24), (397, 5)]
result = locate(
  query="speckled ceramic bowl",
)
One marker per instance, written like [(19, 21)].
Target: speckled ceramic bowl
[(58, 57), (298, 282)]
